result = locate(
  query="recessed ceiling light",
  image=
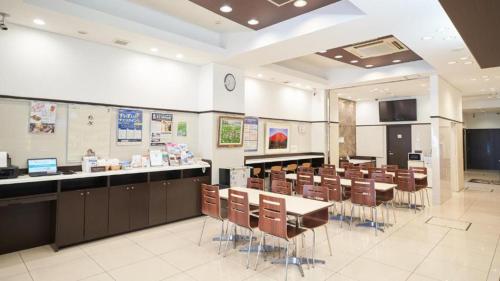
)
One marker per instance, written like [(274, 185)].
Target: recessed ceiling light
[(338, 56), (82, 32), (354, 61), (298, 85), (464, 58), (487, 79), (259, 75), (483, 90), (300, 3), (396, 61), (39, 21), (473, 79), (369, 65), (154, 50), (452, 62), (179, 56), (324, 51), (468, 62), (226, 9), (253, 22), (349, 97), (427, 38), (485, 76), (339, 94)]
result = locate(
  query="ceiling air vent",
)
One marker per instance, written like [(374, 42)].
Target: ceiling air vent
[(279, 3), (121, 42), (377, 48)]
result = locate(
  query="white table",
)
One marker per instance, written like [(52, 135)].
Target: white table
[(418, 176), (359, 161), (346, 182)]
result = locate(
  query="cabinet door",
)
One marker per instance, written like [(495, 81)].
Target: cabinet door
[(183, 199), (70, 217), (157, 202), (96, 213), (139, 205), (119, 209)]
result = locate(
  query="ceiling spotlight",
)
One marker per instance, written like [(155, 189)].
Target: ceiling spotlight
[(396, 61), (154, 50), (300, 3), (452, 62), (179, 56), (473, 79), (324, 51), (259, 75), (369, 65), (468, 62), (39, 22), (226, 9), (253, 22), (354, 61), (427, 38), (464, 58), (338, 56)]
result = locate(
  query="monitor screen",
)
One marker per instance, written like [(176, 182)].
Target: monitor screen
[(48, 165), (398, 110)]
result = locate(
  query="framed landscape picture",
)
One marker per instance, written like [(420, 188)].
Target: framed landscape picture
[(230, 131), (277, 138)]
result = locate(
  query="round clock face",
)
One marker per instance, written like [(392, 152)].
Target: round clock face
[(230, 82)]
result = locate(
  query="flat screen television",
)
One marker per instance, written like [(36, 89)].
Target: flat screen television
[(398, 110)]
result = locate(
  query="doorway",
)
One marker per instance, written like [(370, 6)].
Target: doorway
[(398, 145), (483, 149)]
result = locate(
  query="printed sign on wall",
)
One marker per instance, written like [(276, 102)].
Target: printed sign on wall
[(251, 133), (129, 129), (161, 128), (42, 117)]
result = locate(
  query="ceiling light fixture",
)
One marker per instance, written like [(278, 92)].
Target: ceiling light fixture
[(464, 58), (253, 22), (154, 50), (338, 56), (452, 62), (354, 61), (324, 51), (39, 21), (425, 38), (473, 79), (369, 65), (259, 75), (179, 56), (226, 9), (300, 3), (468, 62), (396, 61)]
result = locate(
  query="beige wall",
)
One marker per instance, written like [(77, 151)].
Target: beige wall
[(347, 127)]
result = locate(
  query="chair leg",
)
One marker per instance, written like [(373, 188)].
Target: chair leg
[(383, 217), (202, 229), (415, 196), (286, 260), (427, 194), (227, 241), (221, 236), (376, 221), (249, 248), (328, 239), (314, 246), (422, 198), (258, 250), (352, 215), (394, 212)]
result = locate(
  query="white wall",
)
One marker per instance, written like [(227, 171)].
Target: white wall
[(46, 65), (482, 120), (367, 112)]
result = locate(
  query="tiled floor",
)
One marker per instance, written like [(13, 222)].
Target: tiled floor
[(411, 250)]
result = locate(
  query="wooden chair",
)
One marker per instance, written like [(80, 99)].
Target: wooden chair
[(405, 181), (276, 168), (422, 184), (303, 169), (319, 218), (390, 168), (238, 213), (210, 206), (353, 174), (277, 175), (273, 222), (255, 183), (375, 170), (346, 165), (303, 179), (281, 187), (256, 172), (388, 196), (336, 193), (327, 171), (306, 165), (366, 166), (331, 166), (363, 194), (290, 168)]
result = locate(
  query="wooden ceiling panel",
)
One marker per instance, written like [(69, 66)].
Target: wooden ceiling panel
[(267, 12), (343, 54), (478, 23)]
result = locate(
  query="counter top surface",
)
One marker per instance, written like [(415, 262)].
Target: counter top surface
[(79, 175)]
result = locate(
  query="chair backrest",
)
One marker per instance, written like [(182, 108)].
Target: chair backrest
[(353, 174), (256, 171), (405, 180), (281, 187), (331, 166), (419, 170), (363, 192), (255, 183), (375, 170), (307, 164), (346, 165), (335, 189), (238, 209), (303, 169), (210, 201), (366, 166), (276, 168), (382, 177), (277, 175), (326, 171), (272, 216), (319, 193), (303, 179), (390, 168), (291, 168)]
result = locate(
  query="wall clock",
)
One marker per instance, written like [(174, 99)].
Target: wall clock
[(229, 82)]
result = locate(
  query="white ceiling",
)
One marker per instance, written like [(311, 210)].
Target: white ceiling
[(284, 51)]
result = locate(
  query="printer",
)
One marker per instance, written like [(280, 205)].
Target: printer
[(7, 171)]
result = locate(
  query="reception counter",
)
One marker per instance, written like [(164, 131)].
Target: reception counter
[(64, 210)]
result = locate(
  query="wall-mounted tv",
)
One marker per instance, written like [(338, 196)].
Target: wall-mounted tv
[(398, 110)]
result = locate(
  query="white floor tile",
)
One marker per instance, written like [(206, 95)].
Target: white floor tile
[(11, 264), (120, 256), (147, 270), (443, 270), (364, 269), (19, 277), (76, 269)]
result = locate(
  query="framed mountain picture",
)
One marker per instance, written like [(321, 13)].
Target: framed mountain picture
[(277, 138)]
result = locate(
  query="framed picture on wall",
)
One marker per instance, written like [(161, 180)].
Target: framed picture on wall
[(230, 131), (277, 138)]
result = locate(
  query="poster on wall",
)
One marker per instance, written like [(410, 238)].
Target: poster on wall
[(230, 131), (251, 134), (277, 138), (42, 117), (161, 128), (182, 129), (129, 127)]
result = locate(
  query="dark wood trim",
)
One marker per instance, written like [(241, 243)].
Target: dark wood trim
[(445, 118), (374, 125), (249, 157)]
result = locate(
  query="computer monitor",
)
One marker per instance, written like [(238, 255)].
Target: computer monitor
[(42, 165)]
